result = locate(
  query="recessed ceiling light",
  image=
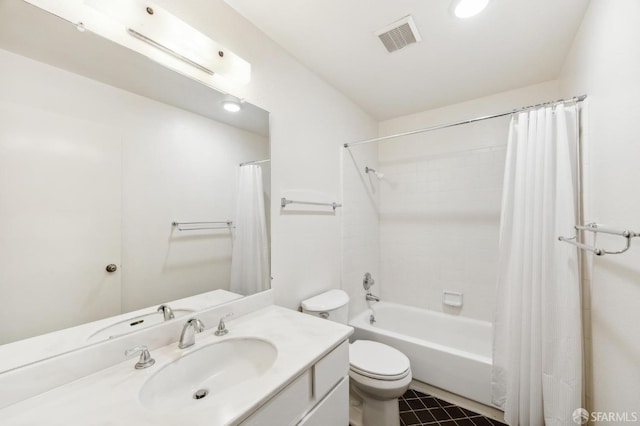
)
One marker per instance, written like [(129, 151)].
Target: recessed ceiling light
[(467, 8), (231, 103)]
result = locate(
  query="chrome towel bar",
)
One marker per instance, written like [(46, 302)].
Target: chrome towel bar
[(196, 226), (284, 202)]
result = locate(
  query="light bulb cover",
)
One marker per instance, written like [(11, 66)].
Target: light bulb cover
[(231, 103), (464, 9)]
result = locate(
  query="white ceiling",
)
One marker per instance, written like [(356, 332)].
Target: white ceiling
[(513, 43)]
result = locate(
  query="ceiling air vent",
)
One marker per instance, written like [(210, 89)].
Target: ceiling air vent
[(399, 34)]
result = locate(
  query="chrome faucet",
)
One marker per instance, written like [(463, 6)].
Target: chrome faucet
[(222, 327), (145, 357), (371, 298), (367, 282), (166, 311), (188, 335)]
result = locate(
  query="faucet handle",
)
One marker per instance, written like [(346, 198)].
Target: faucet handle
[(222, 327), (368, 281), (145, 357)]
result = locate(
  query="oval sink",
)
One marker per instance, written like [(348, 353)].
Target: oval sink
[(132, 324), (204, 372)]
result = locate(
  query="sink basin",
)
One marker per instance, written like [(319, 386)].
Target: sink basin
[(132, 324), (199, 375)]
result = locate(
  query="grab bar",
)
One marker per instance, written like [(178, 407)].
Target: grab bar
[(196, 226), (284, 202)]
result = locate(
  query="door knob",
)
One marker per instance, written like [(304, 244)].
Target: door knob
[(111, 267)]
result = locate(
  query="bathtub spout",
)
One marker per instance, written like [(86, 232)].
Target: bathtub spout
[(372, 298)]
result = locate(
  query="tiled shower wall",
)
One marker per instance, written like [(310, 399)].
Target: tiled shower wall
[(431, 223), (439, 216)]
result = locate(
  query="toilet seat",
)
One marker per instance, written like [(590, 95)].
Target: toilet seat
[(378, 361)]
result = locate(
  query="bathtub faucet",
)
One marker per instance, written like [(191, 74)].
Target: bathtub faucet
[(372, 298)]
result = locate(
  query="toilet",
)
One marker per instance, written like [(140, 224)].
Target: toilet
[(378, 373)]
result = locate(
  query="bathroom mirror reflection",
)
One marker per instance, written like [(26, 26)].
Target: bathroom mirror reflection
[(102, 150)]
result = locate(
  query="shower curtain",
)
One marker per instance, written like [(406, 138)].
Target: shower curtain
[(537, 359), (250, 259)]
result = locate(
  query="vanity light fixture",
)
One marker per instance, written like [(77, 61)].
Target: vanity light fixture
[(231, 103), (173, 37), (464, 9)]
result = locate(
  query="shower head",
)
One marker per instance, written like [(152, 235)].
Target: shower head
[(368, 169)]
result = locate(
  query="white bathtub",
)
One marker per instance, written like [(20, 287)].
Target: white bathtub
[(450, 352)]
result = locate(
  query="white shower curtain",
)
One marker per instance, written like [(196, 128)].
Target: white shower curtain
[(537, 359), (250, 259)]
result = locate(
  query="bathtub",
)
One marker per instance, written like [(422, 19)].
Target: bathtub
[(450, 352)]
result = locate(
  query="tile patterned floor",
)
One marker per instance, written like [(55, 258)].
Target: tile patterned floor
[(418, 409)]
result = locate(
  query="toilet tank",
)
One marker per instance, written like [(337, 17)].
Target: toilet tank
[(332, 305)]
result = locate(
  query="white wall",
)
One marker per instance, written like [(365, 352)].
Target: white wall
[(93, 175), (309, 123), (440, 200), (177, 166), (57, 231), (605, 64)]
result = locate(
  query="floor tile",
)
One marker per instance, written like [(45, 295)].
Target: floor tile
[(430, 402), (440, 414), (455, 412), (409, 418), (425, 416), (415, 404), (418, 409), (465, 422), (403, 406), (481, 421), (410, 394)]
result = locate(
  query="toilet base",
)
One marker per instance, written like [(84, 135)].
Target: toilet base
[(367, 409), (355, 409)]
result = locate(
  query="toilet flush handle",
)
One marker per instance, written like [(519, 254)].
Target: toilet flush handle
[(324, 315)]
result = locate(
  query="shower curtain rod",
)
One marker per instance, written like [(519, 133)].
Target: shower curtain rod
[(575, 99)]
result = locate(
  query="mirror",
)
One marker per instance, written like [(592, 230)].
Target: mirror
[(101, 151)]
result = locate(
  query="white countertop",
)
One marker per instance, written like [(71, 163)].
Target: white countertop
[(110, 397), (36, 348)]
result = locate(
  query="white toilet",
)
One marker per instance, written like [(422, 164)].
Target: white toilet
[(379, 374)]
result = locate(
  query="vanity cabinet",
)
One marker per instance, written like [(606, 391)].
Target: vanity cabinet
[(317, 397)]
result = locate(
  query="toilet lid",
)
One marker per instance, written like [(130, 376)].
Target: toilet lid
[(378, 361)]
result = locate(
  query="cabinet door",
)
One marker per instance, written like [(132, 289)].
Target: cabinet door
[(60, 192), (332, 410)]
